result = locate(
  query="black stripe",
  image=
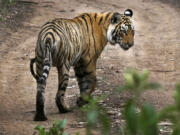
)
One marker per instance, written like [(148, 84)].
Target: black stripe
[(83, 17), (44, 76), (84, 81), (67, 66), (95, 16), (76, 33), (107, 16), (60, 54), (55, 29), (52, 25), (52, 35), (39, 61), (93, 35), (47, 63), (39, 67), (38, 73), (41, 49), (83, 52), (59, 66), (100, 20), (82, 30), (76, 24), (46, 71), (79, 75), (86, 73), (63, 87), (63, 81), (39, 55)]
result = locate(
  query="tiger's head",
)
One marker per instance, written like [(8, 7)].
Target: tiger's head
[(121, 30)]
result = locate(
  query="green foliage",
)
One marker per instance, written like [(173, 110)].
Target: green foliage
[(96, 114), (131, 117), (172, 112), (1, 18), (56, 129), (141, 118)]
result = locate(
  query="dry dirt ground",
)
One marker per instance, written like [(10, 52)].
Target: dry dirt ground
[(157, 48)]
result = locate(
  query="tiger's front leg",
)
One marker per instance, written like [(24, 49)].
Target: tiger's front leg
[(86, 77), (63, 78)]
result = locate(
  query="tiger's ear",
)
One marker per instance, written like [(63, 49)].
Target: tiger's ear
[(115, 18), (128, 12)]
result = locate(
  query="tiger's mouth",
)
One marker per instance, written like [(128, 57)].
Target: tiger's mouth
[(122, 45), (118, 40), (125, 47)]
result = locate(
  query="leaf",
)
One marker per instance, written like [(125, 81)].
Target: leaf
[(77, 133), (176, 131), (54, 130), (39, 127), (129, 79), (145, 75), (136, 78), (106, 124), (148, 120), (92, 117), (177, 96), (65, 134), (167, 113), (131, 117), (151, 86), (62, 124)]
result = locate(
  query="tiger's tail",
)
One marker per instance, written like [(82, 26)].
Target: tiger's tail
[(46, 64), (33, 60), (47, 61)]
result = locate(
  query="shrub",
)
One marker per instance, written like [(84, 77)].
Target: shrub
[(140, 118)]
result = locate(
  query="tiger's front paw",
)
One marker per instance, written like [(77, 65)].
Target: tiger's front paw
[(40, 117), (81, 102), (62, 107)]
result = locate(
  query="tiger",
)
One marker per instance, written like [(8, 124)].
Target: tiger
[(78, 42)]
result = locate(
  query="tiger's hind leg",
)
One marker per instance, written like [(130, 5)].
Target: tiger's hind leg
[(42, 70), (40, 103), (63, 78), (86, 77)]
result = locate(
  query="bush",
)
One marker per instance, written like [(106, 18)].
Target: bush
[(141, 118), (56, 129), (96, 115)]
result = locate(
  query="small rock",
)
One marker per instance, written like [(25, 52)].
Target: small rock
[(111, 112)]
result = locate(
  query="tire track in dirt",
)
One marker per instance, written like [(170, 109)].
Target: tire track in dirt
[(156, 44)]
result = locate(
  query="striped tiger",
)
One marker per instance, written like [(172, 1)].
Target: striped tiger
[(77, 43)]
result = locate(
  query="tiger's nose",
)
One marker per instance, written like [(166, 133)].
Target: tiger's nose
[(130, 44)]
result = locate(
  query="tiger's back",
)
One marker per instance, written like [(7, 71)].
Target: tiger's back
[(80, 36)]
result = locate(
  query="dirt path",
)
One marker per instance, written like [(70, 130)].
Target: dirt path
[(156, 49)]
